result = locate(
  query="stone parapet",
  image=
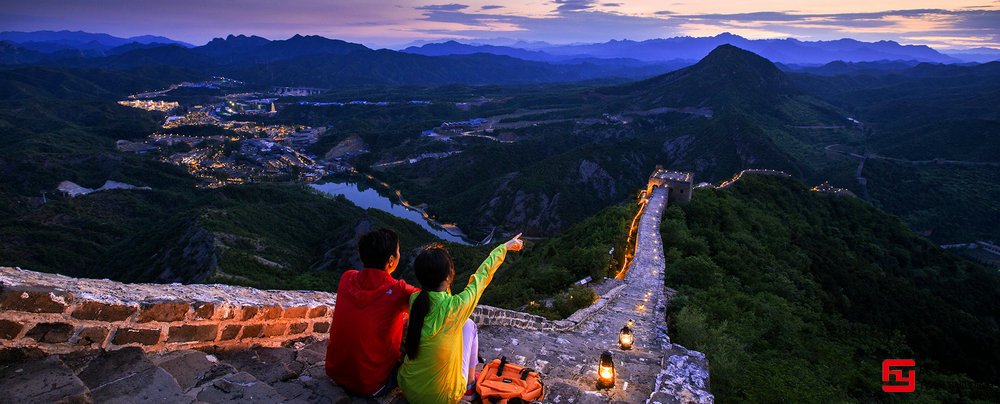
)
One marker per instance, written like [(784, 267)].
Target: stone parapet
[(59, 314)]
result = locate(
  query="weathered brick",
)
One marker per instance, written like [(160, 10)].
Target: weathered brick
[(230, 332), (249, 313), (270, 313), (318, 311), (204, 311), (92, 335), (275, 329), (164, 312), (321, 327), (295, 312), (252, 331), (298, 328), (103, 311), (34, 299), (226, 312), (10, 329), (188, 333), (139, 336), (50, 332)]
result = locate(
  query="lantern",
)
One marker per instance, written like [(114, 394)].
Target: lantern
[(606, 371), (625, 338)]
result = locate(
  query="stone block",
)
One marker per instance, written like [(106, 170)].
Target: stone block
[(92, 335), (50, 332), (295, 312), (318, 311), (125, 336), (10, 329), (249, 313), (322, 328), (190, 368), (34, 299), (204, 311), (270, 313), (128, 376), (189, 333), (46, 380), (275, 329), (298, 328), (163, 312), (230, 332), (103, 311), (252, 331)]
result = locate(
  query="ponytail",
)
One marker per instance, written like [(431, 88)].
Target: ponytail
[(432, 266), (421, 306)]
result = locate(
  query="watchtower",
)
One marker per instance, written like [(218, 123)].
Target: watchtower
[(678, 184)]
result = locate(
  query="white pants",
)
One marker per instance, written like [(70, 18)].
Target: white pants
[(470, 348)]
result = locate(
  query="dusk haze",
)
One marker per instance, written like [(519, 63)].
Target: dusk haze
[(551, 201)]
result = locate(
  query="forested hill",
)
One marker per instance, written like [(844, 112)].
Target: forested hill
[(798, 297)]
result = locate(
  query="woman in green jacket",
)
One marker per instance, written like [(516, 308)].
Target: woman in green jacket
[(441, 343)]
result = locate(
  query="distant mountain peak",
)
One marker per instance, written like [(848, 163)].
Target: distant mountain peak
[(727, 76)]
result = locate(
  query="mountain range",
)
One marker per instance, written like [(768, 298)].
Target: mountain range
[(322, 62), (786, 51)]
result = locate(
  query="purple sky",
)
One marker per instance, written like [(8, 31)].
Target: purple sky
[(390, 23)]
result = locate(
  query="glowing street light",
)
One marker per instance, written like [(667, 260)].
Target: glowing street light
[(606, 371)]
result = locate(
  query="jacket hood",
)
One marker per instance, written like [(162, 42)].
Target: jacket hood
[(368, 285)]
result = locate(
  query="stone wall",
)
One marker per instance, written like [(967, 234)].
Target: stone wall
[(59, 314)]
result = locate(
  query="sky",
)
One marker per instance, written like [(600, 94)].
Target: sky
[(943, 24)]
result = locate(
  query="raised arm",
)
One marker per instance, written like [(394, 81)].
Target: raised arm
[(466, 301)]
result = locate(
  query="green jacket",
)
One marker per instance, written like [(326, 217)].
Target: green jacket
[(435, 376)]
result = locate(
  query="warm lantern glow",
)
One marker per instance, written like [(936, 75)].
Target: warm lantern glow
[(605, 371), (625, 338)]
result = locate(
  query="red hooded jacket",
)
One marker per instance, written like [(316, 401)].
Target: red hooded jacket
[(367, 329)]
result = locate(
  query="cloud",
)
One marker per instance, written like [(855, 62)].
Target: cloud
[(574, 5), (612, 4), (443, 7), (491, 7)]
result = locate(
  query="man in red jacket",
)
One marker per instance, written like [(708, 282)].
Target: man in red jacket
[(367, 326)]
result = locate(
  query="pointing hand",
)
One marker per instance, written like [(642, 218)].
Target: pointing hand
[(515, 244)]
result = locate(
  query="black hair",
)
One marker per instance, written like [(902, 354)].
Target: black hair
[(376, 247), (432, 266)]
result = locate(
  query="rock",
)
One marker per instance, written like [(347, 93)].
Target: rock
[(268, 365), (42, 381), (128, 376), (239, 387), (190, 368)]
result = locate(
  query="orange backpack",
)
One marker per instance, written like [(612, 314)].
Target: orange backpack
[(502, 382)]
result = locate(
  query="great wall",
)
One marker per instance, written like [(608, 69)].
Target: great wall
[(66, 339)]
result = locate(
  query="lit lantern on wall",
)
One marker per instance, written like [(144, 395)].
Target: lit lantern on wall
[(625, 338), (606, 371)]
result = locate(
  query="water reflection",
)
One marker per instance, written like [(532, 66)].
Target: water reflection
[(369, 198)]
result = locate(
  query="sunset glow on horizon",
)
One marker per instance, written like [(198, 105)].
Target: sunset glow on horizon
[(393, 23)]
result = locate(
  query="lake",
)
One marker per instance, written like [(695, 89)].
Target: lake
[(369, 198)]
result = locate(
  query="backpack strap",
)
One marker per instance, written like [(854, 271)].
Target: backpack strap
[(525, 372), (503, 363)]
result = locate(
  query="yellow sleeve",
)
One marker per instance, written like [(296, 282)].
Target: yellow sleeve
[(466, 301)]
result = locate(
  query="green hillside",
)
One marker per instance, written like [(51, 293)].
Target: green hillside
[(797, 297)]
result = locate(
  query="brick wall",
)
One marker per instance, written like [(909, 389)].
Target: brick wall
[(59, 314)]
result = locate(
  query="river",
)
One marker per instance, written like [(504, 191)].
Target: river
[(368, 198)]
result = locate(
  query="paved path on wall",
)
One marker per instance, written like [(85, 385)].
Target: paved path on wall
[(568, 360)]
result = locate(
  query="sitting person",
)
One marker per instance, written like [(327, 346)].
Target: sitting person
[(367, 327), (441, 341)]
